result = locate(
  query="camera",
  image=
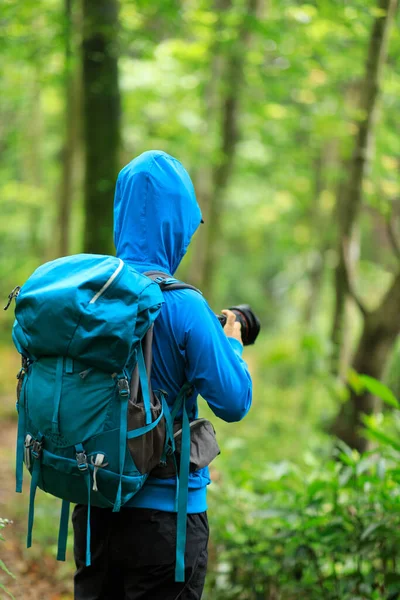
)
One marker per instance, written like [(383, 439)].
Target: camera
[(250, 324)]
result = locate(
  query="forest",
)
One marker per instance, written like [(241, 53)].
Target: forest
[(285, 114)]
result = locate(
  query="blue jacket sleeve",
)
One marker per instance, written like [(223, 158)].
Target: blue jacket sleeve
[(214, 364)]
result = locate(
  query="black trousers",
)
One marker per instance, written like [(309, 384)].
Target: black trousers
[(133, 555)]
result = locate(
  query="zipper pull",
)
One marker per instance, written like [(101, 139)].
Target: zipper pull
[(14, 294), (97, 463), (27, 454)]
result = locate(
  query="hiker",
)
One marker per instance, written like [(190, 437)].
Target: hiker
[(133, 551)]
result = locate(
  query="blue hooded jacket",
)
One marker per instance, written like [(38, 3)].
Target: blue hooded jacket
[(155, 216)]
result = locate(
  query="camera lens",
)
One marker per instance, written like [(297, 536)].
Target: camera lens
[(249, 323)]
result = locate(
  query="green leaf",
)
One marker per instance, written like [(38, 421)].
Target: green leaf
[(345, 476), (348, 452), (381, 468), (3, 566), (370, 529), (375, 434), (377, 388), (3, 587), (365, 464)]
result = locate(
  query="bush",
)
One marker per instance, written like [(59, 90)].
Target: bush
[(328, 530)]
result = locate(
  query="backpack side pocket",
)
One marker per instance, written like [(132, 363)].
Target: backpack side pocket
[(203, 448), (146, 450)]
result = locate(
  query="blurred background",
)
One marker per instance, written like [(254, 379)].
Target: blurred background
[(286, 116)]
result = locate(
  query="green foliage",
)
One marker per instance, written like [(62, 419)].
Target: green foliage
[(329, 529), (3, 566), (361, 383)]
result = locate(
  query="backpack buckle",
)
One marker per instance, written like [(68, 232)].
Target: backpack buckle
[(36, 449), (123, 387), (21, 373), (14, 294), (29, 441), (81, 459)]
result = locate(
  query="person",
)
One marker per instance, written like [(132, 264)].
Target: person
[(133, 551)]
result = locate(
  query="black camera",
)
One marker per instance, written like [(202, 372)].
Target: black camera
[(249, 323)]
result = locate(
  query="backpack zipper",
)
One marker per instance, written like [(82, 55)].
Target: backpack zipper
[(108, 282)]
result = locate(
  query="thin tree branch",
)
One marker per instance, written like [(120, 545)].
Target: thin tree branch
[(349, 279)]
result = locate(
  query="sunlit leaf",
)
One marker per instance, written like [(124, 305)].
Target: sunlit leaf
[(379, 389)]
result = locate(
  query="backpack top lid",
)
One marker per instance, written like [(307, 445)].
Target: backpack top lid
[(90, 307)]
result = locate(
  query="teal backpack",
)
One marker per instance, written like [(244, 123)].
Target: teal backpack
[(90, 428)]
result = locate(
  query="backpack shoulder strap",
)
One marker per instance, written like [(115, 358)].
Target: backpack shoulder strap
[(146, 349), (168, 283)]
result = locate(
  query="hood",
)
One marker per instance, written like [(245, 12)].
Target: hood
[(155, 212)]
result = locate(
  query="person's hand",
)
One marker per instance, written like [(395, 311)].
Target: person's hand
[(232, 327)]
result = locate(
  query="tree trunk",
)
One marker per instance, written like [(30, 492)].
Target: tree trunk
[(221, 175), (317, 267), (33, 166), (324, 164), (203, 177), (101, 101), (350, 196), (381, 328), (72, 119), (217, 180)]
